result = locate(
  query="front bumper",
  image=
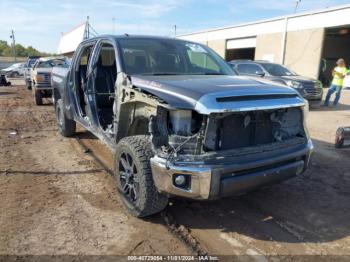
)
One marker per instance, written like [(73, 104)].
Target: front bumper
[(232, 176), (317, 96), (43, 86)]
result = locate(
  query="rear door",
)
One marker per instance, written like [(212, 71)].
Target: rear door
[(78, 91)]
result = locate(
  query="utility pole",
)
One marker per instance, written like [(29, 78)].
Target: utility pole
[(297, 2), (13, 45), (88, 27), (175, 30)]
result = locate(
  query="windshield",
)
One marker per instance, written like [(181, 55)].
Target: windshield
[(277, 70), (50, 63), (31, 62), (170, 57)]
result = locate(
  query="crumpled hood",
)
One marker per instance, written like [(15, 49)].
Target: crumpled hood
[(189, 92)]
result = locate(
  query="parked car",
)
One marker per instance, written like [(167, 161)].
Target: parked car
[(28, 66), (178, 120), (14, 70), (310, 89), (41, 77)]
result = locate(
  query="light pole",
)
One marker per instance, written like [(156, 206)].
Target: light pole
[(297, 2), (13, 45), (175, 30)]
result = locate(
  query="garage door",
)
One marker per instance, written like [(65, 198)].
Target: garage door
[(249, 42)]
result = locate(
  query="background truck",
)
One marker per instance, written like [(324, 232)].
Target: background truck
[(41, 77), (28, 70), (178, 120)]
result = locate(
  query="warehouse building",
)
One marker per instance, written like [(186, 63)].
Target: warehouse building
[(299, 41), (70, 41)]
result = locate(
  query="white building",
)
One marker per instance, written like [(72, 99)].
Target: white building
[(69, 41), (298, 41)]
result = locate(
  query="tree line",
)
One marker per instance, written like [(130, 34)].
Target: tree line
[(21, 51)]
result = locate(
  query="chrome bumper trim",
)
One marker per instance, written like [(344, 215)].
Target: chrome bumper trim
[(202, 177), (162, 176)]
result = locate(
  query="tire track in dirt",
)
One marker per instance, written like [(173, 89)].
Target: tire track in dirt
[(56, 200)]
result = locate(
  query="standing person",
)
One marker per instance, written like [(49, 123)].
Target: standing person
[(338, 73)]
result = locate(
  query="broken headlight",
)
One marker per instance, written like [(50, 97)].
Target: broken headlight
[(184, 122), (184, 131)]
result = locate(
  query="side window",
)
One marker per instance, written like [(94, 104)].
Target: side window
[(249, 69), (107, 56), (105, 74), (82, 65), (85, 55)]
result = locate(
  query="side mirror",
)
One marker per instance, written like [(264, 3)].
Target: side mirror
[(261, 74)]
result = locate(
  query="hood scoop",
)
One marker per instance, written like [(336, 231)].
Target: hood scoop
[(254, 97)]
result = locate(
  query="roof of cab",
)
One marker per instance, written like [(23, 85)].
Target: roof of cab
[(44, 59), (127, 36)]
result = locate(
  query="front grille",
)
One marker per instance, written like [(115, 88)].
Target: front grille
[(248, 129), (312, 88), (261, 168), (46, 78)]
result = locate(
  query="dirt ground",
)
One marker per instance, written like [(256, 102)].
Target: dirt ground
[(58, 199), (55, 199)]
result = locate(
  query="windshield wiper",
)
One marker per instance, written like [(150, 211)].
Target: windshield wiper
[(160, 74), (208, 74)]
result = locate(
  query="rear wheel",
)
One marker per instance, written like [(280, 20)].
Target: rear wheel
[(66, 126), (134, 179)]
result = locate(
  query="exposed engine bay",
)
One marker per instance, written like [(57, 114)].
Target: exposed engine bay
[(185, 132)]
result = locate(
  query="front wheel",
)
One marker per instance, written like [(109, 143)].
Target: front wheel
[(66, 126), (28, 85), (38, 99), (134, 179)]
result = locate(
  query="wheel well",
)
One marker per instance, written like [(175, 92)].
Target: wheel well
[(135, 118), (139, 126), (56, 95)]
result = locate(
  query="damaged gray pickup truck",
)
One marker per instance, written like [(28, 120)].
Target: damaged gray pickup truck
[(178, 120)]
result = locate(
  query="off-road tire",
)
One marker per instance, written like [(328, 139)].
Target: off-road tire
[(38, 99), (29, 87), (66, 126), (149, 200)]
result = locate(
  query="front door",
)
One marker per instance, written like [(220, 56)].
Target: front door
[(102, 82)]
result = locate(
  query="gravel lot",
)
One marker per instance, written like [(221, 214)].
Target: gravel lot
[(56, 199)]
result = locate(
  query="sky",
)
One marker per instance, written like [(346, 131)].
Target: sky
[(40, 23)]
